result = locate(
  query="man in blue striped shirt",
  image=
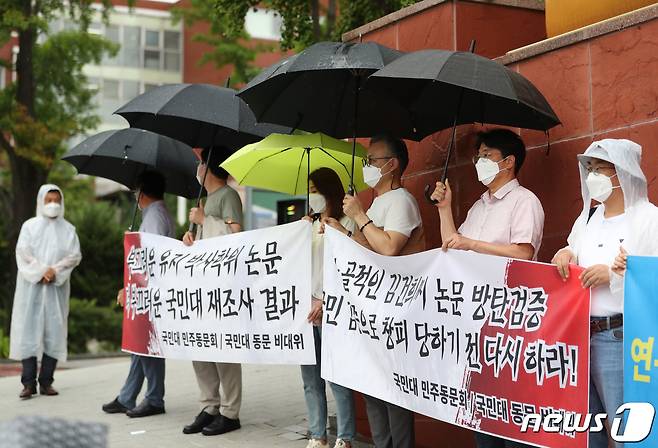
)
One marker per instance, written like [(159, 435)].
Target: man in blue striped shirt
[(155, 219)]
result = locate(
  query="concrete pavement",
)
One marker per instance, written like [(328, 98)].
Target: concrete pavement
[(273, 410)]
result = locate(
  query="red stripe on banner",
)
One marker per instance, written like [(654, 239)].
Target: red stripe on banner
[(136, 331), (568, 304)]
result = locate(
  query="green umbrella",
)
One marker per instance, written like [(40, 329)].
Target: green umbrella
[(283, 162)]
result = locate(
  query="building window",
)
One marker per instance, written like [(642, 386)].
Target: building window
[(3, 77), (172, 47), (132, 45), (140, 47), (111, 33), (152, 49)]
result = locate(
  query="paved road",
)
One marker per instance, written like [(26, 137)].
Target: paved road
[(273, 411)]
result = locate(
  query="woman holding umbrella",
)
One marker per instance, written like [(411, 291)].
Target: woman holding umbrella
[(326, 194)]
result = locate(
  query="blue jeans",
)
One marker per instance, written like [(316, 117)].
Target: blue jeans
[(606, 387), (153, 369), (316, 400)]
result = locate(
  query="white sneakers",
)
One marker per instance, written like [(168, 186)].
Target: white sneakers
[(316, 443)]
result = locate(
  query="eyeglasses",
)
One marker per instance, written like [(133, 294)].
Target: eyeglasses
[(486, 155), (368, 160), (597, 168)]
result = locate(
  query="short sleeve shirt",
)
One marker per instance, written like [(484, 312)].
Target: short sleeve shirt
[(224, 203), (396, 211), (512, 215), (600, 245)]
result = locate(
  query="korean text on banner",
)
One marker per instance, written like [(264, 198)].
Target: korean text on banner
[(235, 298), (640, 346), (473, 340)]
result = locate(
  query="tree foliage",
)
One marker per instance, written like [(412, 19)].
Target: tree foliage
[(48, 103), (225, 48), (307, 21)]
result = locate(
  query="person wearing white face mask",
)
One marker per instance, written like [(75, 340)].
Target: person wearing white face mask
[(47, 251), (623, 217), (220, 383), (392, 226), (326, 194), (507, 220), (156, 219)]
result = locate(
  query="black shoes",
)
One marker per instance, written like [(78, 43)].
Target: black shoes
[(211, 425), (114, 407), (48, 390), (201, 420), (27, 392), (221, 425), (145, 409)]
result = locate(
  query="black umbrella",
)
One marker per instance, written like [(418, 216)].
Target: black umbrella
[(441, 89), (122, 155), (200, 115), (429, 84), (319, 90)]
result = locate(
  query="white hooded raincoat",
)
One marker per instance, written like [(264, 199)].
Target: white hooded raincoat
[(40, 311), (641, 215)]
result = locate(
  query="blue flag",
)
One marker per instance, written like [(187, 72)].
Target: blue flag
[(641, 336)]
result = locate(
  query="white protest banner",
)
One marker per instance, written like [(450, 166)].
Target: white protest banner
[(240, 298), (473, 340)]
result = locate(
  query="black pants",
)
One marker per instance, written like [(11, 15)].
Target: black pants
[(29, 375)]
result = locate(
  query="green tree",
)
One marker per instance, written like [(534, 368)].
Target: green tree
[(307, 21), (226, 48), (47, 104)]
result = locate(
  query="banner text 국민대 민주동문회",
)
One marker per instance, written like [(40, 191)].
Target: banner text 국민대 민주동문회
[(474, 340), (240, 298)]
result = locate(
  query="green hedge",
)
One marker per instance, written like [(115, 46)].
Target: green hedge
[(89, 321), (4, 344)]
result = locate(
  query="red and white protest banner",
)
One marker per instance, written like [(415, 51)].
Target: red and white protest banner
[(474, 340), (238, 298)]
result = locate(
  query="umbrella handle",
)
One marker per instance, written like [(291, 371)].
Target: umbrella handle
[(132, 223), (193, 227), (444, 176), (428, 195)]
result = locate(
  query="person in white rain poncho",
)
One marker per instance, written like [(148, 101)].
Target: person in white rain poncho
[(46, 253), (610, 175)]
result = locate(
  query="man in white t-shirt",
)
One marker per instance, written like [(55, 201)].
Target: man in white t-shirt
[(392, 226), (610, 175)]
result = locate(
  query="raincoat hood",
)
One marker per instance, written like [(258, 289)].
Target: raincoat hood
[(625, 155), (41, 197), (641, 215)]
